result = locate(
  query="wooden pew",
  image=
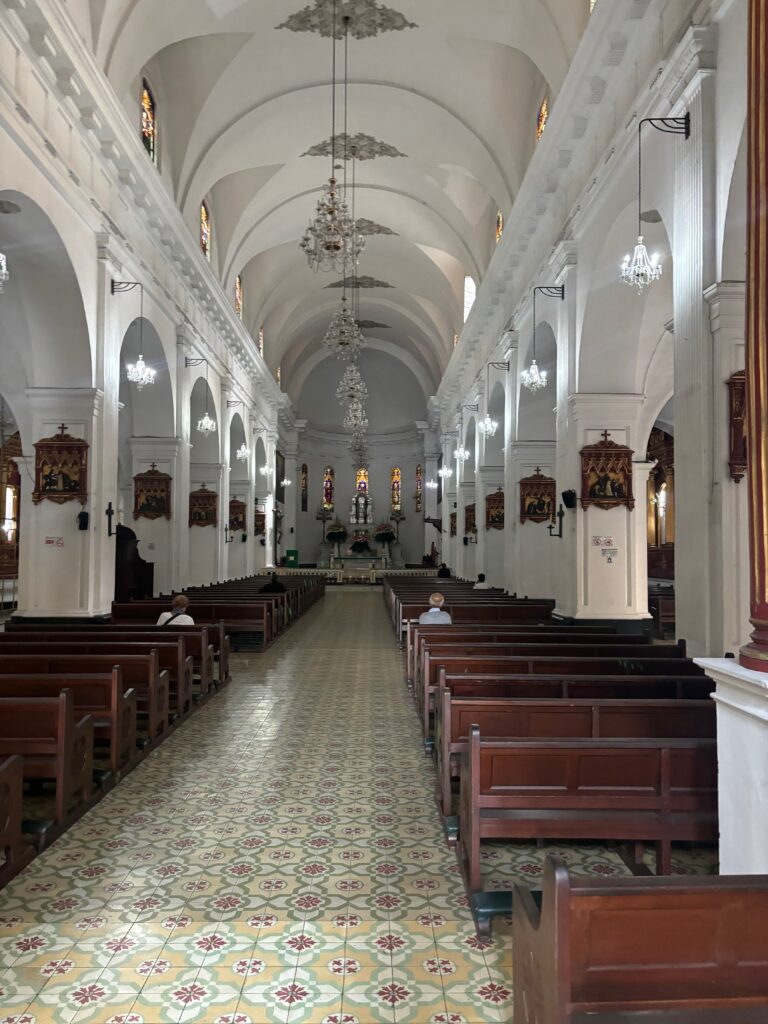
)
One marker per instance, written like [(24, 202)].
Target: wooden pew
[(53, 745), (472, 611), (549, 718), (140, 672), (661, 605), (171, 657), (690, 950), (16, 852), (103, 697), (250, 624), (624, 790)]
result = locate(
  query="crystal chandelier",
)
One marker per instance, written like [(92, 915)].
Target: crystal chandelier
[(642, 269), (445, 472), (488, 427), (242, 453), (285, 482), (4, 272), (355, 419), (461, 454), (352, 387), (264, 470), (332, 241), (206, 425), (140, 374), (533, 378), (343, 337), (431, 485)]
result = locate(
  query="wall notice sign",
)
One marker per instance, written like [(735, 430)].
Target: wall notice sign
[(603, 542), (54, 542), (609, 554)]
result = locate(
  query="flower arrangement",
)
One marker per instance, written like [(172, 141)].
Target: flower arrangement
[(336, 532), (360, 543), (384, 534)]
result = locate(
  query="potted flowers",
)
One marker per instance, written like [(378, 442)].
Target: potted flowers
[(360, 543), (336, 534)]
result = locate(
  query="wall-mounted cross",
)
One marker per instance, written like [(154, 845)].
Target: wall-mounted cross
[(63, 429), (153, 466), (605, 435), (109, 513)]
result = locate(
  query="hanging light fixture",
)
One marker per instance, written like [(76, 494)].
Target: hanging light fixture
[(242, 453), (285, 482), (487, 426), (344, 337), (138, 373), (641, 270), (445, 472), (264, 470), (431, 485), (331, 240), (205, 426), (4, 272), (533, 378), (352, 387)]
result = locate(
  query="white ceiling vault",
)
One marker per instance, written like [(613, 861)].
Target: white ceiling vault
[(442, 101)]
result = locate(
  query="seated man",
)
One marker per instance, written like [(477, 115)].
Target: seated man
[(443, 573), (178, 613), (274, 586), (435, 616), (481, 584)]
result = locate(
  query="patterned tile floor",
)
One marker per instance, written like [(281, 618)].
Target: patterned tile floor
[(280, 858)]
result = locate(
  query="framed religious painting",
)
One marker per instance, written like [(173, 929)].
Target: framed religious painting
[(537, 498), (494, 511), (259, 522), (203, 507), (152, 494), (237, 515), (61, 468), (737, 403), (453, 524), (470, 525), (606, 475)]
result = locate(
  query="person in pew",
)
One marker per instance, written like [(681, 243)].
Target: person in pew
[(435, 616), (443, 573), (274, 586), (481, 584), (178, 613)]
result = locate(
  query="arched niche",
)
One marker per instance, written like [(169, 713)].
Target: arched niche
[(470, 434), (238, 474), (494, 446), (260, 456), (535, 410), (205, 448)]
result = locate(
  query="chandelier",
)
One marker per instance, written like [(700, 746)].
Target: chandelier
[(355, 419), (344, 337), (242, 453), (332, 241), (206, 425), (431, 485), (641, 270), (445, 472), (264, 470), (285, 482), (488, 427), (138, 373), (461, 454), (533, 378), (352, 387), (4, 272)]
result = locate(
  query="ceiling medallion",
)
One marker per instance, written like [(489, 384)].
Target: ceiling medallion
[(365, 281), (364, 147), (367, 19), (369, 227)]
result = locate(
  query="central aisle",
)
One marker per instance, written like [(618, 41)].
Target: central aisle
[(280, 858)]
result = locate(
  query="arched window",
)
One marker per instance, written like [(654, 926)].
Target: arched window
[(328, 487), (455, 341), (304, 487), (541, 118), (148, 121), (419, 487), (499, 226), (470, 291), (206, 230), (279, 375), (239, 296), (261, 342), (361, 481), (396, 481)]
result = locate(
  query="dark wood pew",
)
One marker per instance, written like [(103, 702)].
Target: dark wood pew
[(247, 625), (103, 697), (53, 745), (661, 605), (624, 790), (499, 611), (546, 664), (171, 657), (16, 852), (550, 718), (140, 672), (579, 687), (690, 950)]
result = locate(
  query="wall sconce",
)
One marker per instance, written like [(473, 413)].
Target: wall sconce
[(560, 518)]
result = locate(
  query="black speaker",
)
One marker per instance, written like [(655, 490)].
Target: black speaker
[(569, 499), (82, 520), (466, 541)]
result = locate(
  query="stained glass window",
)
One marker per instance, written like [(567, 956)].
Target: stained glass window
[(396, 481), (361, 481), (304, 487), (455, 341), (541, 118), (470, 291), (419, 487), (328, 479), (239, 296), (206, 231), (261, 342), (499, 226), (148, 121), (279, 376)]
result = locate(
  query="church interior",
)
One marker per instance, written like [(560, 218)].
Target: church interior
[(384, 534)]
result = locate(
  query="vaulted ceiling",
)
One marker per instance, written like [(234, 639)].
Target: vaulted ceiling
[(445, 93)]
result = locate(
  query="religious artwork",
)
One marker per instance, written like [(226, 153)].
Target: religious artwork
[(239, 297), (259, 522), (395, 489), (737, 401), (606, 474), (328, 487), (361, 508), (361, 146), (453, 524), (494, 511), (304, 487), (203, 507), (537, 498), (205, 230), (418, 496), (361, 479), (368, 19), (237, 515), (542, 117), (61, 468), (470, 525), (152, 494), (148, 121)]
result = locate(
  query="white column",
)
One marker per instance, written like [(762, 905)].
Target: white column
[(449, 505), (292, 493)]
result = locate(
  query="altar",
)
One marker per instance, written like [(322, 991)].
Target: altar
[(364, 560)]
